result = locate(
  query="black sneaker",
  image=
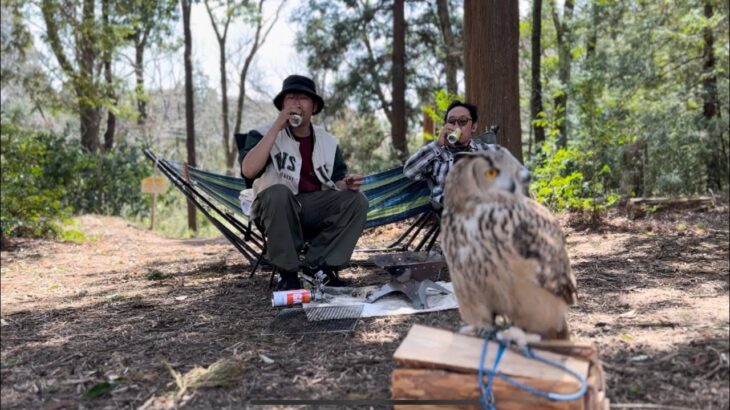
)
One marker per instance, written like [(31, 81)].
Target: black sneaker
[(288, 281)]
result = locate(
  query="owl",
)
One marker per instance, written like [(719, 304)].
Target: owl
[(506, 253)]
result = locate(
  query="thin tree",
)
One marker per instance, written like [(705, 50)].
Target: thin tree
[(717, 167), (491, 41), (149, 24), (189, 103), (536, 107), (261, 33), (451, 65), (563, 32), (111, 121), (398, 121), (221, 34)]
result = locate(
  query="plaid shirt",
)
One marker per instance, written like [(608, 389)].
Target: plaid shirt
[(432, 162)]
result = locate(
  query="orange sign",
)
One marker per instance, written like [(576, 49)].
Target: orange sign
[(154, 185)]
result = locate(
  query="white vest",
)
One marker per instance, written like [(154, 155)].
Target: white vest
[(286, 161)]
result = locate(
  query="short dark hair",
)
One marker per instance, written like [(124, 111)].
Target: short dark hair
[(471, 107)]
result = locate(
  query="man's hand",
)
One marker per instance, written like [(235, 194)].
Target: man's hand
[(282, 121), (351, 182), (445, 130)]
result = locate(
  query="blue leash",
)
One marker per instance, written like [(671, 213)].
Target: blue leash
[(487, 395)]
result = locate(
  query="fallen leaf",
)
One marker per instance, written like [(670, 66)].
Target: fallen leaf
[(266, 359), (630, 313), (640, 358), (97, 390)]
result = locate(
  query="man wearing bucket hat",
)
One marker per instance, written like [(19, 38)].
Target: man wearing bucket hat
[(302, 190)]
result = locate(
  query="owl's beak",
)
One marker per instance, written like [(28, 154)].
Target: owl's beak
[(524, 176)]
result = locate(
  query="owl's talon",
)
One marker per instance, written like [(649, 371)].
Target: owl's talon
[(517, 336), (471, 330)]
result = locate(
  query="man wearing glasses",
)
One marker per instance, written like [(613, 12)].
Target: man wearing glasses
[(434, 160)]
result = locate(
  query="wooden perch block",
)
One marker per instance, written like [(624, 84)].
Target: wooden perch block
[(435, 364)]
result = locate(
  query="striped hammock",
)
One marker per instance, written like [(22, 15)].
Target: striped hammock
[(391, 196)]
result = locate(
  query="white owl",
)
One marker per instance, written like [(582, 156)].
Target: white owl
[(506, 253)]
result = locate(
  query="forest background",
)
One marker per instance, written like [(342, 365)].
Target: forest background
[(617, 99)]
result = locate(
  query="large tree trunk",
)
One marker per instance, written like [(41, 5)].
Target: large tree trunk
[(491, 36), (536, 98), (563, 30), (452, 54), (189, 101), (717, 167), (398, 123)]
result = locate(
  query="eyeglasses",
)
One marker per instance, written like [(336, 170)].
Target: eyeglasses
[(461, 120)]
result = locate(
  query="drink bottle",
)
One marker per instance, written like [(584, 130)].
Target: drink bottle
[(454, 136), (295, 119)]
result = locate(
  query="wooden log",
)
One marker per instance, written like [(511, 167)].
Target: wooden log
[(438, 364), (431, 384), (637, 207)]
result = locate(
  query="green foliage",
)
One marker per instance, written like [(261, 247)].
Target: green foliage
[(31, 203), (640, 77), (350, 44), (45, 178), (438, 111), (365, 142), (562, 180)]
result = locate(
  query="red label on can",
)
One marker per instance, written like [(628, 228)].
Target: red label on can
[(291, 297)]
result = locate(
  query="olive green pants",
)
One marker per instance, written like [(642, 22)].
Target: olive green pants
[(330, 221)]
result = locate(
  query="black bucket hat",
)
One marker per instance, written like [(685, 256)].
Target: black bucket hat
[(301, 84)]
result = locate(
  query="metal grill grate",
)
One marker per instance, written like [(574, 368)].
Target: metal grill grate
[(317, 313), (325, 319)]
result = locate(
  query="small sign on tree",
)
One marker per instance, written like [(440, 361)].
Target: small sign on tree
[(154, 185)]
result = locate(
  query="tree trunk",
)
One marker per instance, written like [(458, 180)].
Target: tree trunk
[(452, 54), (229, 151), (140, 42), (90, 121), (82, 77), (563, 32), (189, 107), (491, 36), (398, 123), (717, 167), (536, 107), (222, 38), (111, 121), (259, 39)]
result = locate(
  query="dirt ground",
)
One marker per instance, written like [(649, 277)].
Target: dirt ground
[(120, 314)]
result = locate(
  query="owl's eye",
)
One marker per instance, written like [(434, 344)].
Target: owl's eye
[(491, 173)]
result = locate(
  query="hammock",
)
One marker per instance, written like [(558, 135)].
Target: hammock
[(391, 196)]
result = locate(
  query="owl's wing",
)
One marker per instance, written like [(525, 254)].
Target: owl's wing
[(538, 237)]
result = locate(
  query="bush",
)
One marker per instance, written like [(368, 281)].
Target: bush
[(31, 202), (560, 181), (45, 178)]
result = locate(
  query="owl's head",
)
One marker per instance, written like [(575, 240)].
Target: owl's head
[(487, 171)]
